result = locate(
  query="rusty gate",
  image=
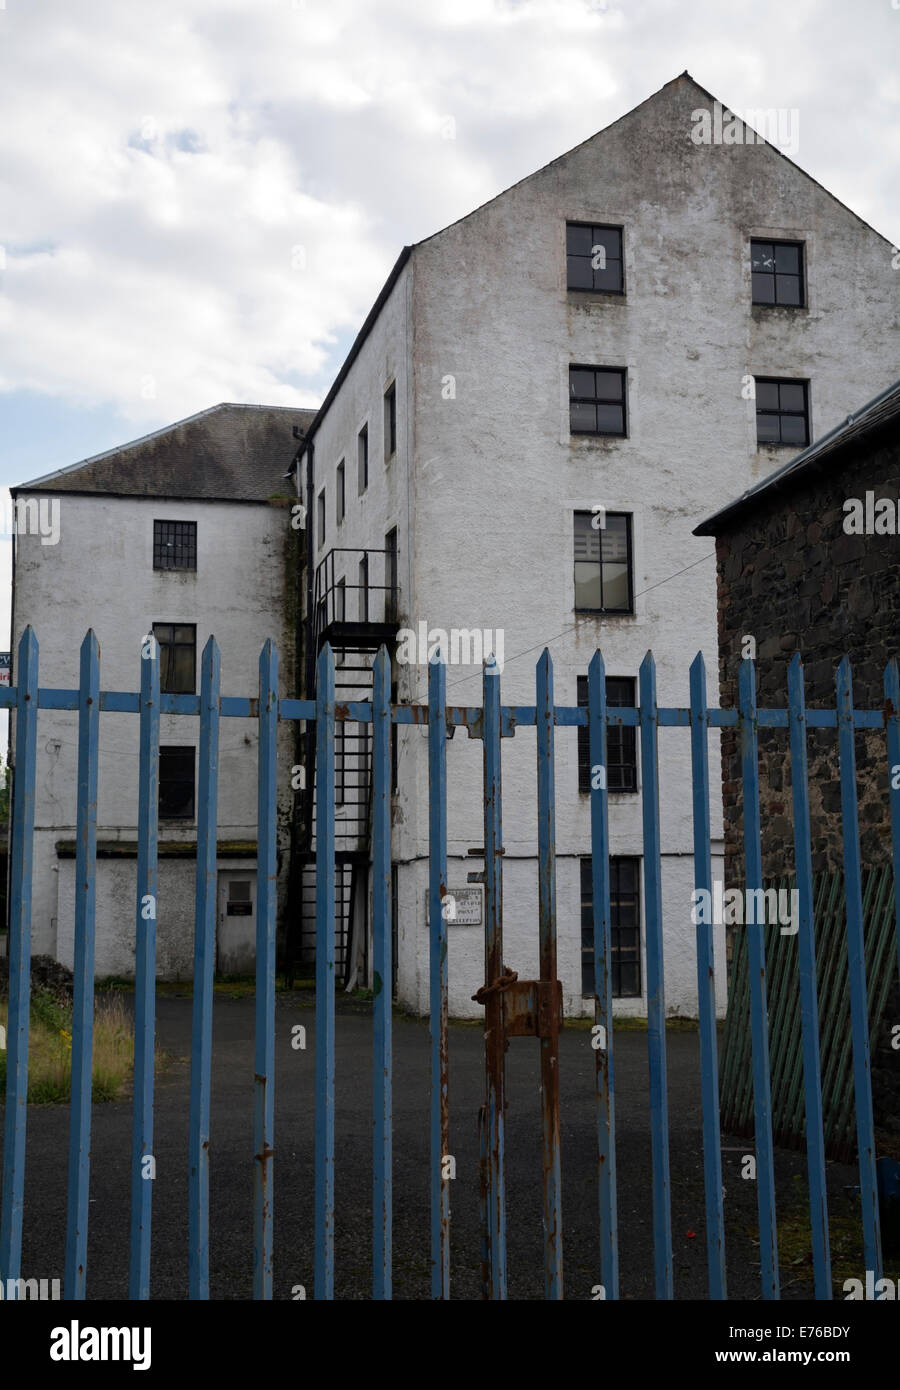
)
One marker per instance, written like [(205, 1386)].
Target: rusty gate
[(513, 1007)]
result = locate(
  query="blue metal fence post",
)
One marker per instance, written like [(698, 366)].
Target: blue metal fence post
[(602, 1033), (892, 721), (656, 1003), (21, 863), (383, 972), (266, 904), (856, 960), (495, 1060), (142, 1172), (204, 968), (809, 1005), (83, 1001), (325, 906), (439, 904), (550, 1119), (706, 985), (492, 724), (759, 1022)]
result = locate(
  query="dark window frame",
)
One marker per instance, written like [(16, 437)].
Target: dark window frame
[(390, 422), (572, 256), (362, 459), (169, 663), (340, 762), (167, 780), (321, 519), (775, 275), (391, 574), (363, 589), (629, 536), (340, 494), (621, 739), (781, 413), (181, 542), (595, 400), (617, 897)]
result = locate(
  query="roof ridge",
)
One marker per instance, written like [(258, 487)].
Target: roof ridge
[(146, 438), (566, 153)]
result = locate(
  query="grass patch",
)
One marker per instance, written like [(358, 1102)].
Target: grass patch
[(50, 1048), (225, 986), (795, 1256), (627, 1023)]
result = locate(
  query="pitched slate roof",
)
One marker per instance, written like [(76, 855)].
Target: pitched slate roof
[(235, 453), (881, 413)]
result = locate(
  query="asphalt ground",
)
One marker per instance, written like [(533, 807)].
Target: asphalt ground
[(231, 1167)]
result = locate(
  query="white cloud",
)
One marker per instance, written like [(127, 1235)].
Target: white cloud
[(162, 164)]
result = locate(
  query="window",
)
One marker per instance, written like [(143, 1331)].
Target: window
[(340, 762), (625, 928), (390, 575), (321, 518), (176, 782), (174, 545), (594, 258), (340, 601), (597, 400), (621, 742), (363, 591), (240, 898), (390, 421), (776, 269), (339, 494), (362, 458), (782, 412), (603, 578), (177, 657)]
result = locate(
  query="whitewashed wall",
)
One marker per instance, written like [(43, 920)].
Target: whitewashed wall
[(101, 574), (496, 475)]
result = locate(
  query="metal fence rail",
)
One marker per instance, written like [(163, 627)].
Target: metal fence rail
[(511, 1006)]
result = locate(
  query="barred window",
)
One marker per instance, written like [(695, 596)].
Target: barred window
[(625, 928), (621, 740), (174, 545)]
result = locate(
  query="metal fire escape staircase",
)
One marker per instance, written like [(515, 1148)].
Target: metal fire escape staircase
[(355, 617)]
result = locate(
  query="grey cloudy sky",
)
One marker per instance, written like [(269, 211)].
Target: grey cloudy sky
[(199, 199)]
